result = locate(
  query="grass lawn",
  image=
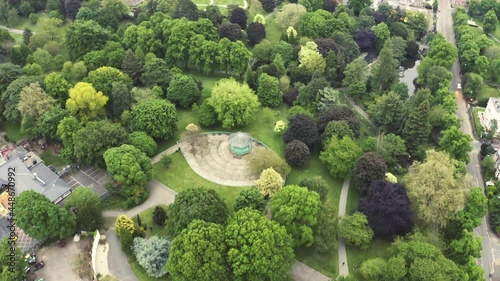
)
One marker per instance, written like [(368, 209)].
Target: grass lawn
[(273, 30), (179, 176), (23, 23), (18, 37), (352, 198), (356, 256), (147, 218), (229, 2), (486, 93), (477, 125), (13, 130), (140, 273), (206, 2), (497, 31), (328, 265), (50, 158)]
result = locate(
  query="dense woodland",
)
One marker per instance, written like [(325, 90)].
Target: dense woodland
[(81, 77)]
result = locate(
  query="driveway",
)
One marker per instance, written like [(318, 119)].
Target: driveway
[(117, 260), (90, 176), (58, 262)]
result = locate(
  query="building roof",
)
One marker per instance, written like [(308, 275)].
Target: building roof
[(496, 104), (32, 174), (240, 140)]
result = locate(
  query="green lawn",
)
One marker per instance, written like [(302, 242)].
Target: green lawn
[(477, 125), (179, 176), (13, 130), (229, 2), (18, 37), (23, 23), (497, 31), (147, 218), (352, 198), (204, 2), (356, 256), (140, 273), (273, 30), (328, 265), (50, 158), (486, 93)]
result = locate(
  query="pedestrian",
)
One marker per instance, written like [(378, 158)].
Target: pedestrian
[(343, 263)]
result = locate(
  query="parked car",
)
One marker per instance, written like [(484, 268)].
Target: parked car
[(459, 86)]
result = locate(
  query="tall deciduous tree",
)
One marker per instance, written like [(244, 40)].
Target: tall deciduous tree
[(269, 182), (186, 9), (143, 142), (102, 79), (116, 7), (269, 91), (263, 158), (311, 59), (41, 219), (290, 15), (369, 168), (128, 165), (183, 91), (388, 209), (325, 235), (33, 103), (385, 71), (382, 33), (340, 156), (195, 204), (85, 102), (256, 33), (469, 245), (47, 123), (258, 248), (456, 143), (234, 103), (354, 229), (297, 209), (297, 153), (359, 5), (490, 21), (250, 198), (436, 193), (199, 253), (231, 31), (83, 37), (11, 271), (301, 128), (391, 147), (356, 74), (87, 207), (56, 86), (388, 111), (475, 209), (239, 17), (155, 117)]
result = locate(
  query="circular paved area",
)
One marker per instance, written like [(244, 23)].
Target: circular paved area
[(209, 157)]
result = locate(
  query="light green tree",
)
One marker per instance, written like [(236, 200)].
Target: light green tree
[(310, 58), (85, 102), (354, 229), (340, 155), (128, 165)]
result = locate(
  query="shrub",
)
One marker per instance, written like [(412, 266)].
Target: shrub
[(297, 153), (355, 231), (263, 158), (302, 128), (159, 215), (205, 114), (290, 96), (317, 184), (166, 160)]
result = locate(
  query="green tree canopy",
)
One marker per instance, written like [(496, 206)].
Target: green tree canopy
[(183, 91), (456, 143), (128, 165), (143, 142), (85, 102), (87, 206), (152, 254), (83, 37), (155, 117), (340, 155), (11, 271), (250, 198), (354, 229)]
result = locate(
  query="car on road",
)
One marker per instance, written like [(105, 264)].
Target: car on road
[(459, 86)]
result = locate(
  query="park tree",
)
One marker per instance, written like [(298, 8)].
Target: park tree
[(8, 73), (155, 117), (365, 38), (195, 204), (156, 73), (417, 127), (356, 73), (382, 33), (234, 103), (370, 167), (435, 190), (290, 15), (66, 129), (469, 245), (90, 142), (102, 79), (490, 22), (269, 91), (128, 165), (57, 87), (354, 229), (212, 12), (143, 142), (250, 198), (340, 156), (121, 99), (11, 95), (473, 84), (11, 271), (33, 69), (263, 158), (325, 233), (358, 5), (83, 37), (39, 218), (85, 102), (475, 209), (231, 31), (385, 71), (317, 184), (301, 128), (258, 248), (152, 254), (388, 112), (132, 66), (33, 103), (388, 209), (186, 9), (199, 253), (442, 52), (183, 91), (456, 143), (338, 129), (85, 203), (268, 5), (46, 125), (125, 229), (116, 7), (239, 17), (310, 58), (374, 269), (159, 216), (391, 147), (269, 182), (297, 209), (256, 33), (297, 153)]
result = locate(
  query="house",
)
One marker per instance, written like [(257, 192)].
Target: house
[(490, 118), (31, 173)]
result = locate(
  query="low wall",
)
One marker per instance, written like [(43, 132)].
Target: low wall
[(97, 237)]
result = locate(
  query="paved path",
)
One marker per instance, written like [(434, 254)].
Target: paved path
[(302, 272), (361, 111), (13, 30), (169, 151), (343, 265), (117, 259)]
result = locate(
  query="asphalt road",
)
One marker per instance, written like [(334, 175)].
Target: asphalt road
[(445, 26)]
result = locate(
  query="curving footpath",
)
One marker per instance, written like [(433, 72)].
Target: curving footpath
[(343, 265), (13, 30)]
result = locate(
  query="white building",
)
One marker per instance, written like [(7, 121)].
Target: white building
[(491, 115)]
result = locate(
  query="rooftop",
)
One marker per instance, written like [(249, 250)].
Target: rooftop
[(496, 103)]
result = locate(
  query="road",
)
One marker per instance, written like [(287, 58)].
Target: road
[(444, 25)]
